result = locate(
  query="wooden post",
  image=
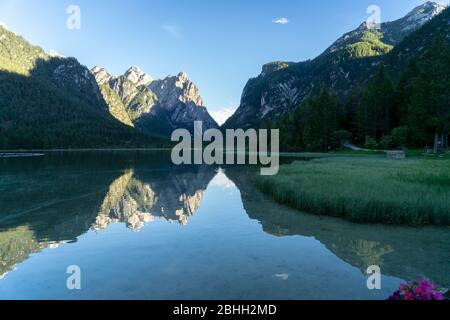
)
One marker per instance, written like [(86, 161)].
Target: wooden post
[(436, 141)]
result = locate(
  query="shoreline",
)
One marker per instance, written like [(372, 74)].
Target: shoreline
[(20, 151), (365, 190), (19, 155)]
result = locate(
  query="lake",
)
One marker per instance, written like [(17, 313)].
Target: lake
[(140, 228)]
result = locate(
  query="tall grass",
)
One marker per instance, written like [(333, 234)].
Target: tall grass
[(366, 190)]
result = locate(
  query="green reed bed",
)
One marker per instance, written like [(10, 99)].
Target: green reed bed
[(366, 189)]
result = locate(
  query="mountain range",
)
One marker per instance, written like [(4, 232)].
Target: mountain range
[(153, 106), (347, 63), (50, 101)]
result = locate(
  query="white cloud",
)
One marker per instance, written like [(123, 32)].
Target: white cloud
[(283, 276), (281, 20), (172, 30), (222, 115)]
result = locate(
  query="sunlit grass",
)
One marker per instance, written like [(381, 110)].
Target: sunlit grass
[(366, 189)]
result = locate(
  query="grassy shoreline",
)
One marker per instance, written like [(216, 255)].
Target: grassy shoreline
[(368, 189)]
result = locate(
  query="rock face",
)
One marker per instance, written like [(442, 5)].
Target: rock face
[(419, 16), (138, 77), (154, 106), (417, 43), (180, 99), (392, 33), (349, 61), (101, 75)]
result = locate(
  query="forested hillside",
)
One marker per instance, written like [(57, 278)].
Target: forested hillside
[(344, 69), (54, 102), (404, 103)]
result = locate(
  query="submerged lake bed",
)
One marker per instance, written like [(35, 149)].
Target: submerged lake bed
[(140, 228)]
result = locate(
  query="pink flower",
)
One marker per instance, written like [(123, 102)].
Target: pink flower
[(417, 290)]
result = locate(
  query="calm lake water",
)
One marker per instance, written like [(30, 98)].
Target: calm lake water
[(140, 228)]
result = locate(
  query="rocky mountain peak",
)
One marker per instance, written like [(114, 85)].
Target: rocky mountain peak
[(154, 106), (422, 14), (393, 32), (428, 9), (101, 75), (413, 20), (182, 76), (177, 88), (96, 69), (274, 67), (138, 77)]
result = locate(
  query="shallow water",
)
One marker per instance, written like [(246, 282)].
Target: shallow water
[(140, 228)]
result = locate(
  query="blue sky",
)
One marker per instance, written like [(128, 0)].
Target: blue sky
[(219, 44)]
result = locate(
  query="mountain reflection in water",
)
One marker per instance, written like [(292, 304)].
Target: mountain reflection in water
[(136, 203), (57, 199), (91, 193)]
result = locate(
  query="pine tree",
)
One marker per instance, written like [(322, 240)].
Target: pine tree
[(377, 114), (320, 116), (425, 85)]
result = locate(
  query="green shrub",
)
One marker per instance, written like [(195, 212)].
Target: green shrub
[(371, 143), (386, 142)]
